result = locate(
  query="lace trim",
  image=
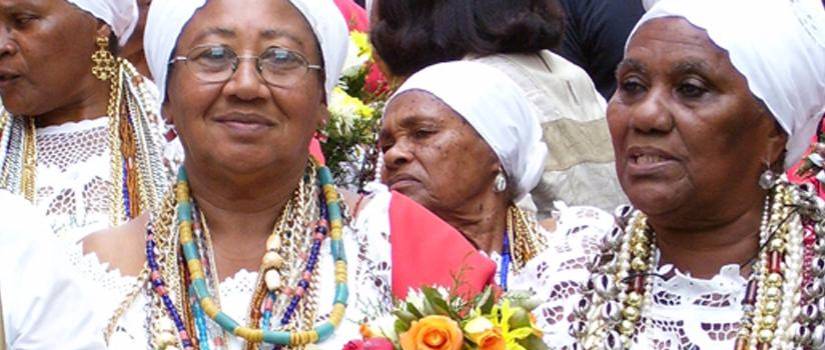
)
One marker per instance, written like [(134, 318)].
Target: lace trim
[(71, 127)]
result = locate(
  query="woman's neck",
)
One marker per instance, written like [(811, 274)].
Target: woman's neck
[(703, 250), (92, 105), (482, 221), (241, 214)]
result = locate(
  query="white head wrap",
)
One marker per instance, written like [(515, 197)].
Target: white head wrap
[(121, 15), (496, 108), (778, 45), (167, 19)]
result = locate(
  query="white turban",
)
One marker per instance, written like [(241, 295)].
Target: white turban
[(496, 108), (777, 46), (167, 19), (120, 15)]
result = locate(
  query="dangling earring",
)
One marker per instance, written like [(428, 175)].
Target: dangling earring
[(105, 63), (500, 182), (767, 179)]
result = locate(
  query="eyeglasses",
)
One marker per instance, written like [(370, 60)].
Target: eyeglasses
[(276, 65)]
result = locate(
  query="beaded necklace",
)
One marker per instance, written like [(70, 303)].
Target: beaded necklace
[(174, 328), (136, 162), (780, 306)]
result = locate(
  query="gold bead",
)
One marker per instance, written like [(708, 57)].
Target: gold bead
[(273, 242), (765, 336), (768, 321), (627, 327), (773, 293), (640, 250), (771, 307), (638, 264), (634, 299), (774, 280), (631, 313), (777, 244)]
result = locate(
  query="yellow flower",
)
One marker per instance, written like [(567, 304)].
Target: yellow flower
[(502, 318), (483, 333), (433, 332), (362, 43)]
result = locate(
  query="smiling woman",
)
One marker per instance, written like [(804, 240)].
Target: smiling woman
[(250, 248)]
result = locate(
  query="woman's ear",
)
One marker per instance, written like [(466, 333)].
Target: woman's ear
[(777, 139), (103, 29)]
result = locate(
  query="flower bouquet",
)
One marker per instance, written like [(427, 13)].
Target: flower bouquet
[(435, 319), (354, 114)]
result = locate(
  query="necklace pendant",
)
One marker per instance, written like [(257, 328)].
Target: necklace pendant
[(272, 278)]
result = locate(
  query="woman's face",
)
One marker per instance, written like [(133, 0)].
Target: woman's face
[(688, 135), (45, 55), (432, 155), (244, 124)]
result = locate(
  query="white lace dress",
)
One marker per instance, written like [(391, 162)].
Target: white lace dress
[(369, 265), (575, 220), (685, 313), (74, 177)]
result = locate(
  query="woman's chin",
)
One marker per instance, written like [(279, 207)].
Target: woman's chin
[(654, 200)]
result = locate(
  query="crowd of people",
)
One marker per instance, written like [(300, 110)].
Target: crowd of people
[(161, 185)]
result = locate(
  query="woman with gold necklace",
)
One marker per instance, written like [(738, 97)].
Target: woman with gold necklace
[(719, 251), (251, 248), (79, 133)]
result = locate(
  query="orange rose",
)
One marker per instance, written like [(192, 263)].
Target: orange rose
[(490, 340), (433, 333)]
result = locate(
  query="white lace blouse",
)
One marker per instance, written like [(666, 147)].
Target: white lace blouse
[(368, 254), (685, 312), (74, 177)]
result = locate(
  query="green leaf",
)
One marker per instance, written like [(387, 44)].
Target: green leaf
[(438, 304), (486, 300), (401, 326), (413, 310), (534, 343)]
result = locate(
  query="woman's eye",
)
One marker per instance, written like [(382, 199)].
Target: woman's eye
[(422, 133), (631, 86), (691, 90), (23, 19)]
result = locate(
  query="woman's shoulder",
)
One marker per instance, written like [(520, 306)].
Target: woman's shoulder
[(120, 248)]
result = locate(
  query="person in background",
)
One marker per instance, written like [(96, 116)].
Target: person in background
[(43, 305), (513, 36), (462, 139), (594, 36), (133, 50), (81, 132)]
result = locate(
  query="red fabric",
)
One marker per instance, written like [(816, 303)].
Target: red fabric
[(315, 151), (354, 14), (427, 251), (820, 188)]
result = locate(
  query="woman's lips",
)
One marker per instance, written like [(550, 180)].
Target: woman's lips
[(649, 161)]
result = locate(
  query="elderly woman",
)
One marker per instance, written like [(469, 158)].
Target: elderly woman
[(78, 130), (250, 249), (513, 36), (719, 252), (461, 139)]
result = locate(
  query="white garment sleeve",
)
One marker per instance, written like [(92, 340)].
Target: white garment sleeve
[(45, 305)]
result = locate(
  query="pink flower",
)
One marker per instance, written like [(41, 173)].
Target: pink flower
[(369, 344)]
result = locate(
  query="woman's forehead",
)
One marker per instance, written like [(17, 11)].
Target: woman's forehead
[(260, 20)]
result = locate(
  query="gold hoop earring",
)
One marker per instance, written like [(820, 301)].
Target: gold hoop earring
[(105, 63)]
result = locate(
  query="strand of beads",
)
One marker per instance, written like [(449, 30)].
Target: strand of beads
[(257, 335)]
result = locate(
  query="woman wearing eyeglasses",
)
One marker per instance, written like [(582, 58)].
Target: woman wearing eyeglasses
[(252, 248)]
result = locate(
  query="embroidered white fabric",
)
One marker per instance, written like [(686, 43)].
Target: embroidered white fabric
[(74, 177), (685, 312), (367, 246), (568, 220)]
